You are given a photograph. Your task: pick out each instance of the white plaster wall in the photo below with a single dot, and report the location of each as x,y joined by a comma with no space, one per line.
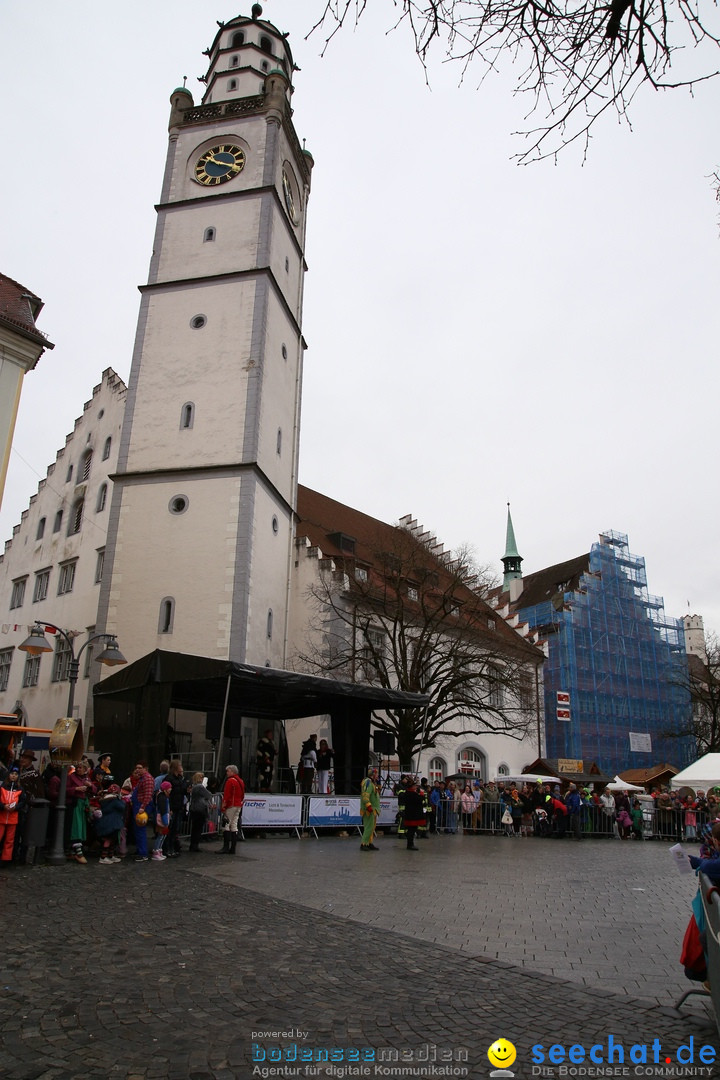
184,253
268,580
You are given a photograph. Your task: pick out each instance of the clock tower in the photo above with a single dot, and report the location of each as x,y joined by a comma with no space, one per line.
200,543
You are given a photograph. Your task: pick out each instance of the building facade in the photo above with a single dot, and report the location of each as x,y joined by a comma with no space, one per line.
21,346
615,680
52,568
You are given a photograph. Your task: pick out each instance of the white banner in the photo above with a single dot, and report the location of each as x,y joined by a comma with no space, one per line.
336,812
264,810
388,810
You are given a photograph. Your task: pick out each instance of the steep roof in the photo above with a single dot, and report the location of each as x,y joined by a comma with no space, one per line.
543,585
343,533
19,309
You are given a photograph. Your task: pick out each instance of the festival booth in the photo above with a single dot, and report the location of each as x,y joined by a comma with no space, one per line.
132,708
703,774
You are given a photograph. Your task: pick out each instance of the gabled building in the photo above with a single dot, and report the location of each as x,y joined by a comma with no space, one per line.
52,567
21,346
613,683
381,603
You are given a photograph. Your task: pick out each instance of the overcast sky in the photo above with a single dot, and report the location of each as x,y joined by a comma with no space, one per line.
477,332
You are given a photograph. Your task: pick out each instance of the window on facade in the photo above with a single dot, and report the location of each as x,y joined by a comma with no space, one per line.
437,769
40,529
187,415
76,517
167,615
5,662
237,39
526,693
361,573
371,653
61,660
265,66
57,524
68,475
495,692
412,593
99,565
66,579
101,499
232,84
234,60
503,769
42,581
470,761
198,321
269,622
279,441
18,593
106,448
208,235
31,672
89,653
86,465
266,45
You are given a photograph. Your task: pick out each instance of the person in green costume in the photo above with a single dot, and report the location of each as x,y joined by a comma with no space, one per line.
369,809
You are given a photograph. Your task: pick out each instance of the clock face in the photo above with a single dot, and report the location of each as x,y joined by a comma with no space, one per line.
291,198
219,164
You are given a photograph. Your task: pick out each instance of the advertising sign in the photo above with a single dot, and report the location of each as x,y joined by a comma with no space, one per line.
278,811
336,812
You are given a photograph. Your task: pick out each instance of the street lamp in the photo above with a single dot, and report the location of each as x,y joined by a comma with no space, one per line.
35,645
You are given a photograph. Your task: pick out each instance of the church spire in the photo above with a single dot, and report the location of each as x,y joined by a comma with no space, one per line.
511,560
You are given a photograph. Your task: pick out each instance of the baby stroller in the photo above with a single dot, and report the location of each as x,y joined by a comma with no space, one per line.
541,822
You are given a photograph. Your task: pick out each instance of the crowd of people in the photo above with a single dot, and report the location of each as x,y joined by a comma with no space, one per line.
102,817
544,809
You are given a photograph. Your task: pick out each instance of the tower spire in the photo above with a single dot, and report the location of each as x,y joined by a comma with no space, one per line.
511,560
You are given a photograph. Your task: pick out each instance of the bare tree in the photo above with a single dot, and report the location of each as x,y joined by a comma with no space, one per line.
578,58
702,682
411,621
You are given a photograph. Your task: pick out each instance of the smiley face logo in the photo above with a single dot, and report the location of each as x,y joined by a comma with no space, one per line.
502,1053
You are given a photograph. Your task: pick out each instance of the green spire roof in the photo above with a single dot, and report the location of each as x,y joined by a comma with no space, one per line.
511,551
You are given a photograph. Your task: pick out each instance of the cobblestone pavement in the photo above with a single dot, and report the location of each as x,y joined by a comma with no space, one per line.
180,970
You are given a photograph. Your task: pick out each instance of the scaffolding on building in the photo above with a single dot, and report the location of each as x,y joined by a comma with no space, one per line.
620,659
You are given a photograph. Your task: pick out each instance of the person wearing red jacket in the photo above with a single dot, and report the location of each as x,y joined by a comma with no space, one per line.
232,804
10,793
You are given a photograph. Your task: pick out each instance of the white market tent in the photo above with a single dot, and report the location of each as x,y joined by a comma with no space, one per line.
623,785
703,773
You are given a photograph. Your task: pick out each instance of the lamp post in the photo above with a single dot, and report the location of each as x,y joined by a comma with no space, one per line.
35,645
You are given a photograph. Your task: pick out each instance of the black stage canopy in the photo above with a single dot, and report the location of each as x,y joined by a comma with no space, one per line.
132,706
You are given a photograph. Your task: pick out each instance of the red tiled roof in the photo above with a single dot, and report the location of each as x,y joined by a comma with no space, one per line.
342,533
19,308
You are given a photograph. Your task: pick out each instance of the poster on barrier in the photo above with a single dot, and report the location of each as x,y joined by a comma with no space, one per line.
337,812
272,810
388,810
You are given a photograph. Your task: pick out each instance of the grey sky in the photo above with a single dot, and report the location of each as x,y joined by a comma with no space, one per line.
478,332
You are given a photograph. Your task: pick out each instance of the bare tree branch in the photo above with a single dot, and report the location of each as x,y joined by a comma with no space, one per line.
579,58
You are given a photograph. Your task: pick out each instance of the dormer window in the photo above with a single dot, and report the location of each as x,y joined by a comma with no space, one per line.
343,542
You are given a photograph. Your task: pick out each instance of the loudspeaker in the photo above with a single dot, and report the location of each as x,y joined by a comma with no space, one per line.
384,742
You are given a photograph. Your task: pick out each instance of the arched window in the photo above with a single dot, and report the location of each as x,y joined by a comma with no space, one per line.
85,465
436,769
209,235
234,61
187,415
232,84
237,39
40,529
471,762
76,517
101,499
106,448
167,615
266,45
